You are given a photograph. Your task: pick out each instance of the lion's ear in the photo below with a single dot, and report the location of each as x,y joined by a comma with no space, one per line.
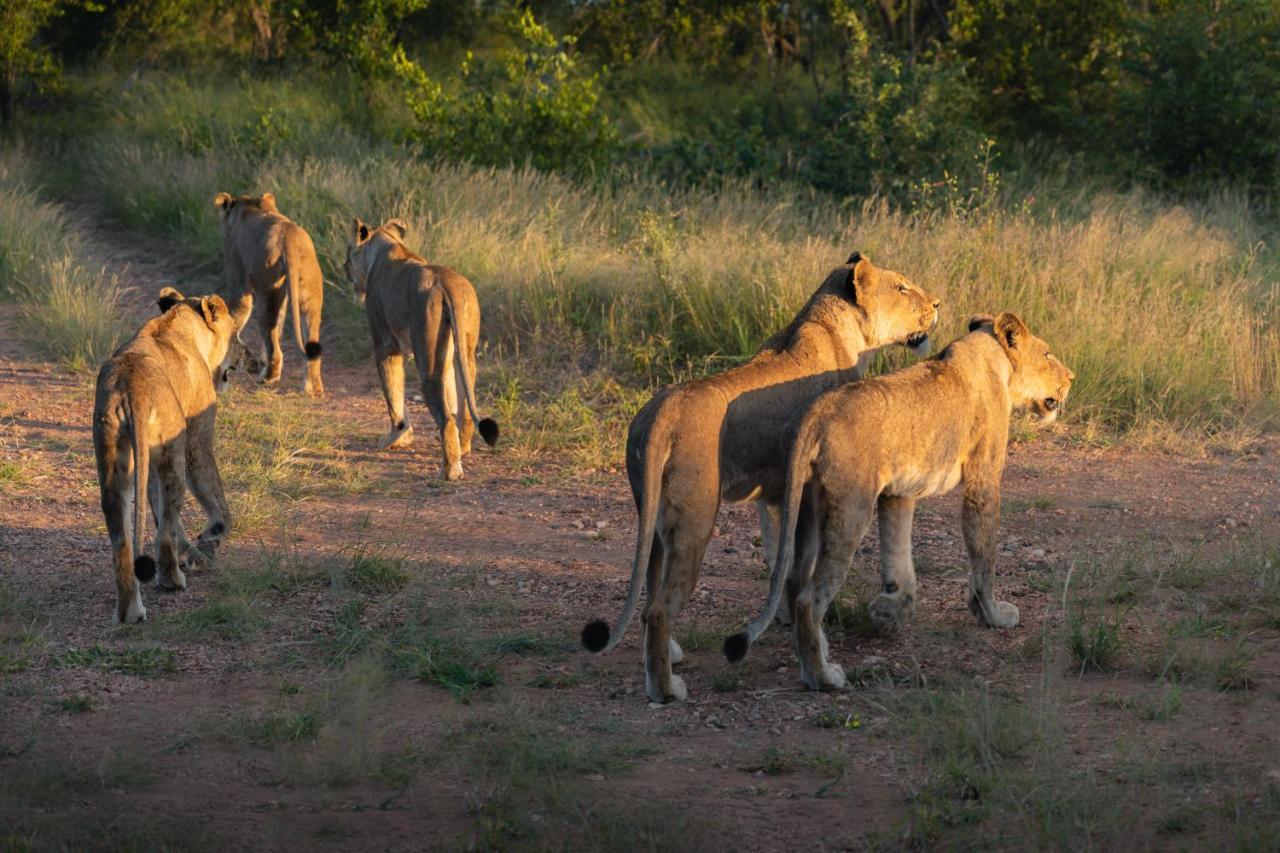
168,297
977,321
397,227
1010,330
213,309
268,201
223,201
859,276
359,232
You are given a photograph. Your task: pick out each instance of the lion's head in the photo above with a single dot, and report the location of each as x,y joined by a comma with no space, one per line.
898,310
1040,382
364,244
232,207
227,353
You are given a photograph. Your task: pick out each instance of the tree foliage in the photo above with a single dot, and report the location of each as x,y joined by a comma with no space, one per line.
848,96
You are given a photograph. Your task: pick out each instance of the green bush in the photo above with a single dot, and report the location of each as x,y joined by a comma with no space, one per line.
530,105
1203,94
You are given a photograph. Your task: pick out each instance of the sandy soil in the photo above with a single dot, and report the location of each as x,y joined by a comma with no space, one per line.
152,763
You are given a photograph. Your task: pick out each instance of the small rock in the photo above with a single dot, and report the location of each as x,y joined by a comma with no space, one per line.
601,525
595,777
577,524
1036,553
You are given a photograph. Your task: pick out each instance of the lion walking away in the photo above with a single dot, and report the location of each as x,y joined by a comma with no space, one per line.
153,422
270,258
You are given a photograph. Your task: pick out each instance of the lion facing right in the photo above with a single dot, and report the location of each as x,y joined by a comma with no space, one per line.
877,446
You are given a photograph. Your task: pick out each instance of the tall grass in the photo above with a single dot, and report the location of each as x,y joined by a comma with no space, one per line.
1168,314
67,310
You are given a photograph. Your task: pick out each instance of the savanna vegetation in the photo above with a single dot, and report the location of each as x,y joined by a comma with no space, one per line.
656,186
641,192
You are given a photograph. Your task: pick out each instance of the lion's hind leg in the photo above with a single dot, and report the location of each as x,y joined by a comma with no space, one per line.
117,509
671,582
441,393
391,375
841,528
206,484
270,324
166,494
894,604
466,428
980,521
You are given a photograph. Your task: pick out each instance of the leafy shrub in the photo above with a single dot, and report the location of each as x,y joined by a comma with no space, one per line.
1204,90
532,104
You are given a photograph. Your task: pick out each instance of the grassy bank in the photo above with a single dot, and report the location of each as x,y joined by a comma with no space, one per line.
66,308
1168,314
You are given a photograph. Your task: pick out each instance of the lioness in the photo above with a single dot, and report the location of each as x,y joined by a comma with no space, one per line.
270,257
431,312
153,419
721,438
879,445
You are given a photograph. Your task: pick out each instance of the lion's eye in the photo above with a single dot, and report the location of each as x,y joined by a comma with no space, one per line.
902,288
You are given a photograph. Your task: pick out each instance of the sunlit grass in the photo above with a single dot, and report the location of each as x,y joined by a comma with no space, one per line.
67,309
1166,313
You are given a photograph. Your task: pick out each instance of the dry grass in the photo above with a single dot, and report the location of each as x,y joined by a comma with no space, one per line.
1167,313
67,310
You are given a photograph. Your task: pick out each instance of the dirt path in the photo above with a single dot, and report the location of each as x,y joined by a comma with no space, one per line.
261,727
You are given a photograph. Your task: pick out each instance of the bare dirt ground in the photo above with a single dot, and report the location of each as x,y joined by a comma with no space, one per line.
433,696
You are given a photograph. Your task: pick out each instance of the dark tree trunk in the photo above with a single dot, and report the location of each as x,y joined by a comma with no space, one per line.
8,97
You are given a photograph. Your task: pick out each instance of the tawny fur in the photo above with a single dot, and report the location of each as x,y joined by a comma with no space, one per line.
876,447
432,313
153,431
721,437
271,259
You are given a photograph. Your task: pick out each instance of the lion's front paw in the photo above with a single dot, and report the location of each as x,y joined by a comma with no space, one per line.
829,677
678,692
997,614
397,438
1005,615
173,581
453,472
676,653
135,613
889,612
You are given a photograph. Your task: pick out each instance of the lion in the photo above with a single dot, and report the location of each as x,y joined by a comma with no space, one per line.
877,446
153,419
432,313
720,438
270,257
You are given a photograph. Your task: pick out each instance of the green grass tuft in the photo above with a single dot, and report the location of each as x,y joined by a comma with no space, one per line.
146,662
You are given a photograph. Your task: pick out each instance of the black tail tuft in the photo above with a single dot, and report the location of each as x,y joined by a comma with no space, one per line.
736,645
595,636
313,350
488,431
144,568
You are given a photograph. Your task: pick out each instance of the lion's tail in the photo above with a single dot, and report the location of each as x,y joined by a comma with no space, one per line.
597,636
799,465
311,349
488,427
144,565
